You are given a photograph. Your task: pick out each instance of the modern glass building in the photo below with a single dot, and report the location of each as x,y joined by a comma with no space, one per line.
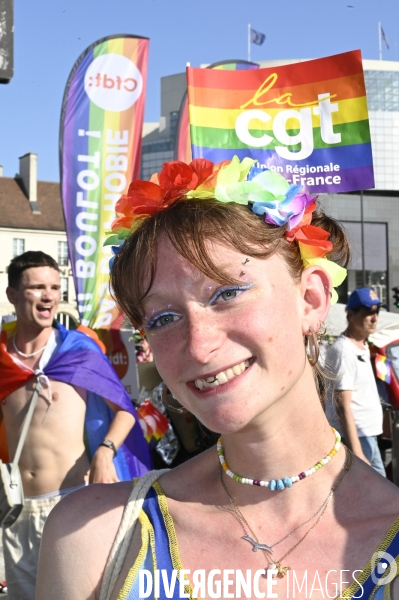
371,217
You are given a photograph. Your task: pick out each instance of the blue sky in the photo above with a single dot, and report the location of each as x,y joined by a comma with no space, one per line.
51,34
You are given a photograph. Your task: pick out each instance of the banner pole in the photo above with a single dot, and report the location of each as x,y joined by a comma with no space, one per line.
249,42
362,238
379,39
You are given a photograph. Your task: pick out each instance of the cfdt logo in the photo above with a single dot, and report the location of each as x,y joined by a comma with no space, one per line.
120,361
113,82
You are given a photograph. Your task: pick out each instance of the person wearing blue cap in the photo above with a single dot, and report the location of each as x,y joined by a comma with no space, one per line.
353,405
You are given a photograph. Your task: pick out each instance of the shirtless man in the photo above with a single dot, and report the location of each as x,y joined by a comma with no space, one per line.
53,460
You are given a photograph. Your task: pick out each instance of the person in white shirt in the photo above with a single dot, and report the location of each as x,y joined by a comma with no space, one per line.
353,404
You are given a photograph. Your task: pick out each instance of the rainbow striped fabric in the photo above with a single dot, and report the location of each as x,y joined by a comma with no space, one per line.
100,150
183,141
79,361
383,368
308,120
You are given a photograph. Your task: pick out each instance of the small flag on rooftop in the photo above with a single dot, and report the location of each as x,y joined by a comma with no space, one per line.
384,37
257,37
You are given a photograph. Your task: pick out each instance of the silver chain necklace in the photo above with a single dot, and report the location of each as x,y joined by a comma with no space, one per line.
277,566
256,545
22,353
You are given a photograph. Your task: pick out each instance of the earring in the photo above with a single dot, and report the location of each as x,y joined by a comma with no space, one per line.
322,331
164,397
313,354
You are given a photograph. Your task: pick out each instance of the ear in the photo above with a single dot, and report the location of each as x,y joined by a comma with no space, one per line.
11,295
349,315
316,295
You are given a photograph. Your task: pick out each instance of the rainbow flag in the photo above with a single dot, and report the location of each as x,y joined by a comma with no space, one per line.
183,141
383,368
153,423
308,120
80,361
100,149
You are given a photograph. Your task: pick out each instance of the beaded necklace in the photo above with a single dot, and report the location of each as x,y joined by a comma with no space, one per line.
276,567
23,353
286,482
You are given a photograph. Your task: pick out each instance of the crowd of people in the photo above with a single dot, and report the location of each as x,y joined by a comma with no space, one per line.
232,298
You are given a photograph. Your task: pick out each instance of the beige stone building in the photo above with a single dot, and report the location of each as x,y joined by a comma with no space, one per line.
31,218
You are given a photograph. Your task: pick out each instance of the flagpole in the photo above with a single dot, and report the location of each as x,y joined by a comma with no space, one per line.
379,39
249,42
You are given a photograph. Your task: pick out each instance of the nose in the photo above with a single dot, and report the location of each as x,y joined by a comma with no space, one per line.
48,293
204,337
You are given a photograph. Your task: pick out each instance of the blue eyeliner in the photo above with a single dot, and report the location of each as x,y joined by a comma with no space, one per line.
151,324
234,288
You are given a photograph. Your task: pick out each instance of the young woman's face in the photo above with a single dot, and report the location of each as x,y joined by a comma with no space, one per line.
226,352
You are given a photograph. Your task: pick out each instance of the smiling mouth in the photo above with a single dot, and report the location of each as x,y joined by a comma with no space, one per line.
224,376
44,310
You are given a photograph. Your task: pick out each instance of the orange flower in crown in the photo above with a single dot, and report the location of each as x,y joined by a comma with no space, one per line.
146,198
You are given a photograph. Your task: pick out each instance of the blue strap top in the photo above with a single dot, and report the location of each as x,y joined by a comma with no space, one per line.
159,552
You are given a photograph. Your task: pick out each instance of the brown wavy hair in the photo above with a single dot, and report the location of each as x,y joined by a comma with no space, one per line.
190,225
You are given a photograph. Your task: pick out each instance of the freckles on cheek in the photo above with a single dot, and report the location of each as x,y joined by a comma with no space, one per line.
161,349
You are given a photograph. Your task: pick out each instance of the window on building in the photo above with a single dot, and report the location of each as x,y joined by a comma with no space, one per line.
62,254
18,247
67,320
64,289
382,90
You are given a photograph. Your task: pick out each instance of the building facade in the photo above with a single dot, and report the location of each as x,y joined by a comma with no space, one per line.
31,218
371,218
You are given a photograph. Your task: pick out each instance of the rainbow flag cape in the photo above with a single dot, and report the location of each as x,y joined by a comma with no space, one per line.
383,368
307,121
79,361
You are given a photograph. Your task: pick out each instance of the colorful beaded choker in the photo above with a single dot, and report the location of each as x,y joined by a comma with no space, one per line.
286,482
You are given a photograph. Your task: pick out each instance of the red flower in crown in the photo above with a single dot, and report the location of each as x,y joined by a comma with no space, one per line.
146,198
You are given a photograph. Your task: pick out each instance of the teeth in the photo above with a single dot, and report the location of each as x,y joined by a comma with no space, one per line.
222,377
213,384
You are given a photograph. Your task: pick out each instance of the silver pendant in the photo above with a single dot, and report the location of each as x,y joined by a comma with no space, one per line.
256,545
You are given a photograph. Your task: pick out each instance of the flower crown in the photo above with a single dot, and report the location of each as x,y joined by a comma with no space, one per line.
266,192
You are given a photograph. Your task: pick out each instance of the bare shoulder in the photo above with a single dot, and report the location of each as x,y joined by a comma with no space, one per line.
368,502
77,539
190,478
89,506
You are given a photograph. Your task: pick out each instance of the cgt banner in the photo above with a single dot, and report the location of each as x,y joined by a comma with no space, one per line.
100,147
308,120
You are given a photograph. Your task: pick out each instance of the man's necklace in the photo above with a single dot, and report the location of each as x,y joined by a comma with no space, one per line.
266,549
22,353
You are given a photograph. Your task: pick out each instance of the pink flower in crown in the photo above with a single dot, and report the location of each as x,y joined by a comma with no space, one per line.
280,202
